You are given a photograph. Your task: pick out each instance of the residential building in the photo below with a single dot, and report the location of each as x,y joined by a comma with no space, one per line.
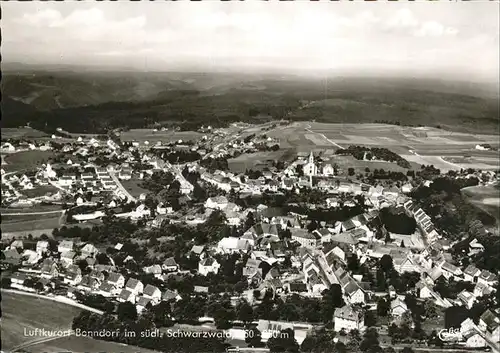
348,318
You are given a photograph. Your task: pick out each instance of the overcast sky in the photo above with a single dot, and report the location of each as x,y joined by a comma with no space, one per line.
445,38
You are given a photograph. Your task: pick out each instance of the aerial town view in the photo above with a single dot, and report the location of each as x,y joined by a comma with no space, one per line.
307,177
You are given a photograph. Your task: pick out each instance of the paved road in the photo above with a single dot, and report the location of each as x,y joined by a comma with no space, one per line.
120,186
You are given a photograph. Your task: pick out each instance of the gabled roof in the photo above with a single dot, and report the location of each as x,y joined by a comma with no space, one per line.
143,301
125,294
170,262
348,312
132,283
150,290
114,277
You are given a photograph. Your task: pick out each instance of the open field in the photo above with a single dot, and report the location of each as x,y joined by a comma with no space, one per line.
40,190
22,133
36,233
345,162
485,197
257,160
28,223
26,159
20,312
85,344
422,145
141,135
132,186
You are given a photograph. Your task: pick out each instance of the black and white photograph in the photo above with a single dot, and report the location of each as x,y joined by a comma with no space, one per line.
250,176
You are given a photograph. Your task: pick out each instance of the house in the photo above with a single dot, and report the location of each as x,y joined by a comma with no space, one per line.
126,296
155,270
200,289
116,279
487,278
398,308
107,290
30,257
467,298
65,246
197,250
306,239
135,286
328,170
296,287
170,295
208,265
153,293
450,271
217,203
12,257
233,245
263,230
67,258
489,322
405,264
471,273
354,294
169,265
89,250
424,290
348,318
73,275
473,339
142,302
467,325
49,269
475,247
88,284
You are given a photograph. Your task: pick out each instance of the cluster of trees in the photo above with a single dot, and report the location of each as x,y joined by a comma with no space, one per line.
451,211
397,222
366,153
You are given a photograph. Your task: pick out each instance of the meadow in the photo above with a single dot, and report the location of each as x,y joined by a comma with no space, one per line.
485,197
29,223
26,159
132,186
20,312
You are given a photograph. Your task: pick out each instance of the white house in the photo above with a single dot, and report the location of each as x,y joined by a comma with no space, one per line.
152,293
116,279
233,245
169,265
135,286
398,308
42,246
208,265
348,318
217,203
65,246
328,170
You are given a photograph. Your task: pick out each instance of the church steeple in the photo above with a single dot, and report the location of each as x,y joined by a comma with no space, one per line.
311,157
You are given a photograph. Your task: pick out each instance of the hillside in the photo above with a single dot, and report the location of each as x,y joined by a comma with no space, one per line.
98,101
